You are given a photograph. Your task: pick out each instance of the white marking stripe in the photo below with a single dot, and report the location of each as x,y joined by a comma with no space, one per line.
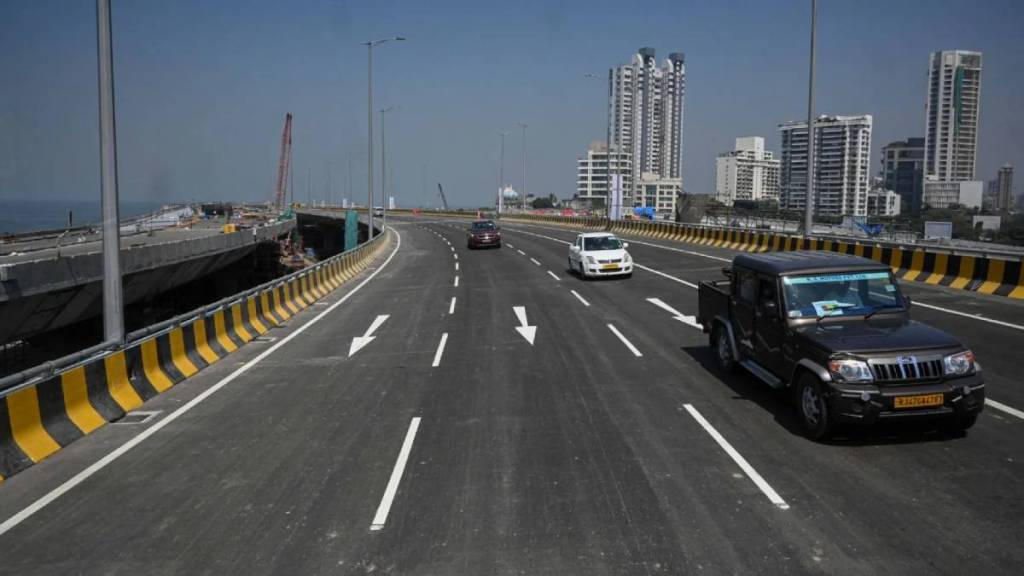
102,463
453,248
456,281
440,350
738,459
966,315
555,276
456,266
580,298
451,307
534,260
662,274
456,256
521,252
509,245
1004,408
624,341
396,476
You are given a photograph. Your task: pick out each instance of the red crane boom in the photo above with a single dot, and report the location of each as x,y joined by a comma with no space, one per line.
283,164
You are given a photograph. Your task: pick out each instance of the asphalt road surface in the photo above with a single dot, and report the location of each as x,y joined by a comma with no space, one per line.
486,412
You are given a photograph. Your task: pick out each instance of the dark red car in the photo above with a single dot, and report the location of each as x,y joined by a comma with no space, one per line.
483,234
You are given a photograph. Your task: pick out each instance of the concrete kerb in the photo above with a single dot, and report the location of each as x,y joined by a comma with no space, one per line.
49,411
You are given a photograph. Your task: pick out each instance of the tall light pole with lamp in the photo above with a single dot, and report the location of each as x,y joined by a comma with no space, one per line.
369,120
523,126
608,160
501,173
384,164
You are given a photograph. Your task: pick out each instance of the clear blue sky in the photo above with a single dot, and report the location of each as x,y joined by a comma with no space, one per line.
203,87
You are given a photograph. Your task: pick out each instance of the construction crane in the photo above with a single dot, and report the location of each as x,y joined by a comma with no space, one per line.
283,164
443,199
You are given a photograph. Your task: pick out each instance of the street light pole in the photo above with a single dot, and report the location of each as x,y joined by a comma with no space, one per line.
523,126
369,120
501,175
383,165
809,196
608,162
113,296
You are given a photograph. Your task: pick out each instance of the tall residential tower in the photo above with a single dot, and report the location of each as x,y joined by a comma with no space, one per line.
951,115
842,151
645,116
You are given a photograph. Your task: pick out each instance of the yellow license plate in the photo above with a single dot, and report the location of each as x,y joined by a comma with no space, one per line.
610,267
918,401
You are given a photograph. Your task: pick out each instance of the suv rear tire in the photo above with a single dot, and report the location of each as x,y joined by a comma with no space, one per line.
812,409
723,349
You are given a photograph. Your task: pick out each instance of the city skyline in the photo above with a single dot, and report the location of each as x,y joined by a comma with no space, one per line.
201,93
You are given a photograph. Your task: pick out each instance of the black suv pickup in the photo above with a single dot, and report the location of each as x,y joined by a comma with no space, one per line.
836,331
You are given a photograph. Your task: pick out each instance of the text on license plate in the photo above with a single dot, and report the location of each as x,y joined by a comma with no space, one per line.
918,401
610,266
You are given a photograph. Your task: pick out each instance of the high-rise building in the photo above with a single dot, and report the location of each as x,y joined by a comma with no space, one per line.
951,115
592,174
645,117
945,194
903,172
747,172
842,156
1004,198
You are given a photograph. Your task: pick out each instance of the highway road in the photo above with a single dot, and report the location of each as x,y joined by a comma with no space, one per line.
486,412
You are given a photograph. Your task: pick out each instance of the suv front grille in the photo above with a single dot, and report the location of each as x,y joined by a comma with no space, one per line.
907,371
614,261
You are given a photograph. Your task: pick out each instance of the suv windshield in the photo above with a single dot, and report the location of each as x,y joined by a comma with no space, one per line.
840,294
601,243
483,226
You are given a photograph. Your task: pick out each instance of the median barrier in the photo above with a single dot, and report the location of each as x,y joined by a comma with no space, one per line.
47,411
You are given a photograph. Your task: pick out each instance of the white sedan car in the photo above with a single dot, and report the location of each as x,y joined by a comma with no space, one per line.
600,254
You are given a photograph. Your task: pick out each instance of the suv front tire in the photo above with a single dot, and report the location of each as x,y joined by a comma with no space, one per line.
812,408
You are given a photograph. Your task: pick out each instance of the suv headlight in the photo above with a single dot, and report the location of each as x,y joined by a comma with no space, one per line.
849,370
958,364
590,260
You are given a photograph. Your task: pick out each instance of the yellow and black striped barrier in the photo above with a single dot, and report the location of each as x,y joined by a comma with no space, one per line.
38,418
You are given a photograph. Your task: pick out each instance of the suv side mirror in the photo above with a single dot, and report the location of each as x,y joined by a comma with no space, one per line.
625,244
574,248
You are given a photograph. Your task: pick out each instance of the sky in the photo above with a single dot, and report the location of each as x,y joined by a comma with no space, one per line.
202,88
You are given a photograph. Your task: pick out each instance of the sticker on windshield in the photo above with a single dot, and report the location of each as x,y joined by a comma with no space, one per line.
890,288
829,278
830,307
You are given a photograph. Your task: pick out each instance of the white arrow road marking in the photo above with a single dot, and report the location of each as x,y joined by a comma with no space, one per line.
360,341
528,332
688,320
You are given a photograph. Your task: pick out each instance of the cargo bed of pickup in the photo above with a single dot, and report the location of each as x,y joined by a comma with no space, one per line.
713,300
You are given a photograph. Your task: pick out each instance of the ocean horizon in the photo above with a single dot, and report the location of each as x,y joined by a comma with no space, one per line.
20,216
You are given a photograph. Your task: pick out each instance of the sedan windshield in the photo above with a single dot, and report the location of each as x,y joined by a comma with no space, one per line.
483,226
601,243
840,294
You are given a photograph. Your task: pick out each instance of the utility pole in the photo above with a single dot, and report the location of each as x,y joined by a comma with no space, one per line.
383,164
369,120
809,196
351,192
523,126
608,160
113,296
501,174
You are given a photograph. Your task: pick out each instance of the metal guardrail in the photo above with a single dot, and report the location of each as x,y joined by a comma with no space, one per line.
53,367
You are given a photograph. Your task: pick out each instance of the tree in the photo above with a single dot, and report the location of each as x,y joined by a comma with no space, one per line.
541,203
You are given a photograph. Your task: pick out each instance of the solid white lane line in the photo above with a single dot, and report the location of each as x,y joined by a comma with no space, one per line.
680,250
1004,408
396,477
440,350
966,315
624,341
663,275
534,260
451,307
456,281
738,459
102,463
580,298
521,252
555,276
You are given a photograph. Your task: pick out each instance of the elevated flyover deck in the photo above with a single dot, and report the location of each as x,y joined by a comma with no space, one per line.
44,286
456,411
